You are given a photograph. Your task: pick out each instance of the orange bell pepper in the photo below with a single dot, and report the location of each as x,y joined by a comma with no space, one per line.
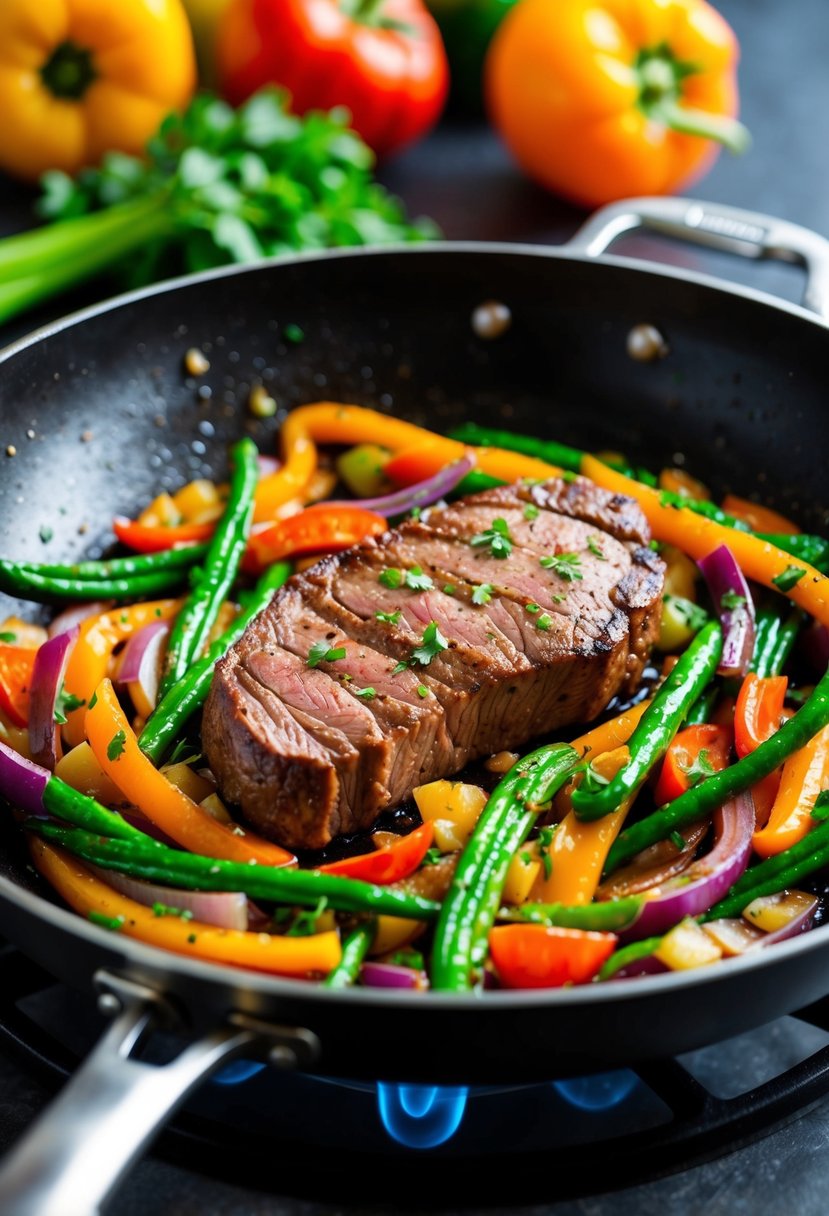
706,746
79,79
91,655
805,775
116,749
305,957
758,517
299,464
16,666
695,535
533,956
759,712
389,864
317,529
602,99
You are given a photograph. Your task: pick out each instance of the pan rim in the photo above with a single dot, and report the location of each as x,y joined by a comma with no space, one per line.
154,958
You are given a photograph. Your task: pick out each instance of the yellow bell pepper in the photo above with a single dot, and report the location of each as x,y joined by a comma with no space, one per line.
81,77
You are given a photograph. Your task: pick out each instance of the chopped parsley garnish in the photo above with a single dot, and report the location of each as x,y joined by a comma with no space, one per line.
699,768
116,745
565,565
368,694
417,580
93,700
526,857
545,839
160,909
415,513
497,537
113,923
305,922
532,608
8,638
422,690
730,600
431,857
593,546
544,621
820,810
46,533
531,511
677,840
65,703
559,599
790,576
390,618
391,578
407,957
321,652
431,644
448,588
482,594
192,939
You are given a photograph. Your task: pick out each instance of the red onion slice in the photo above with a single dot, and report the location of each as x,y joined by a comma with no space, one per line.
707,880
805,906
22,782
728,586
47,680
391,975
423,494
649,965
225,909
76,615
141,663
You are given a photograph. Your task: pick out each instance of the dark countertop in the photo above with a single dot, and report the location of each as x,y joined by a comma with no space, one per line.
463,178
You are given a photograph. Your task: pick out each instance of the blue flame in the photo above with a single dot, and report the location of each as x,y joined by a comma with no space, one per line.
237,1071
421,1116
598,1092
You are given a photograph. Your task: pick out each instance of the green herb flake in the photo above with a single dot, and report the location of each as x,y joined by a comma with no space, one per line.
820,811
449,588
565,565
531,511
321,652
46,533
192,939
389,618
8,638
116,745
532,608
407,957
593,546
305,923
368,694
431,644
544,621
730,600
677,840
415,512
699,768
789,578
391,578
431,857
526,857
482,594
398,667
160,909
496,537
422,690
416,580
113,923
545,839
66,703
93,700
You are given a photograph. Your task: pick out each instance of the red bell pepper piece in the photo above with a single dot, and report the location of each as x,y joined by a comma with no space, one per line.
317,529
389,864
695,753
534,956
16,666
758,518
153,538
759,712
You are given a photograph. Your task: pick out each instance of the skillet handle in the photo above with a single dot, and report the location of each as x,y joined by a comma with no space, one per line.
747,233
68,1163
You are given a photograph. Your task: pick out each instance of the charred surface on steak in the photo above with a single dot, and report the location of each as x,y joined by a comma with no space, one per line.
529,642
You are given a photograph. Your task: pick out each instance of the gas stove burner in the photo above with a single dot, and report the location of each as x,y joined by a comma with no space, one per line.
255,1125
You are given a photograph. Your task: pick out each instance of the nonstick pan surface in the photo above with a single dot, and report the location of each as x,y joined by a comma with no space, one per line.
103,416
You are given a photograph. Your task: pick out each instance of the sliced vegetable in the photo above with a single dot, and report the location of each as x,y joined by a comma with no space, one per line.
422,494
16,672
324,528
805,774
390,975
758,517
22,781
537,956
389,864
686,946
782,915
695,753
140,667
735,607
45,709
354,949
224,909
158,538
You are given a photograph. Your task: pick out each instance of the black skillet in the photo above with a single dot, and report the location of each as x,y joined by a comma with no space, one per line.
103,416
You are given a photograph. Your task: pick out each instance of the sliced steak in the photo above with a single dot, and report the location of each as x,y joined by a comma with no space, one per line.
404,658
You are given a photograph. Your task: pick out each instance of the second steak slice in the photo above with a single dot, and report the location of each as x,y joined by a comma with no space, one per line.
481,626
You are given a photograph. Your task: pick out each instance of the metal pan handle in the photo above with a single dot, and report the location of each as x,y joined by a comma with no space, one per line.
747,233
70,1161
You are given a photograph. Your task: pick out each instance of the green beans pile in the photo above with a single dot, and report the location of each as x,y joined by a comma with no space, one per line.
117,578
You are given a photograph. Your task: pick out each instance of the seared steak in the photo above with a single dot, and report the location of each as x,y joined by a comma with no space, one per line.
476,628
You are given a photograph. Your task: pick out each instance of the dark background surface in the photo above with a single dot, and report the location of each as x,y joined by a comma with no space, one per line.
464,179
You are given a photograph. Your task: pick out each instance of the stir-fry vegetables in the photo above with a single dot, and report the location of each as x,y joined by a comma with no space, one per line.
671,834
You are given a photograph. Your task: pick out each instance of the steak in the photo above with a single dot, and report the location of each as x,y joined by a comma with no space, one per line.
482,625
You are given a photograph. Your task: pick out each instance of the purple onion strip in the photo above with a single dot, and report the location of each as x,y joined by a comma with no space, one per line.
735,607
22,782
47,680
421,495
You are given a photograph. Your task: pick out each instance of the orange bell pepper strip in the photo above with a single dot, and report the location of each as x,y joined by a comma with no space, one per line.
317,529
705,747
16,666
389,864
303,957
116,749
83,78
153,538
758,713
91,655
697,536
299,464
579,849
805,775
758,517
534,956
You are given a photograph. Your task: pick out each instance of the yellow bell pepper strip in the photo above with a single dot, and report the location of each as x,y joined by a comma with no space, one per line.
697,536
804,775
304,957
90,658
116,749
79,78
330,422
578,850
299,456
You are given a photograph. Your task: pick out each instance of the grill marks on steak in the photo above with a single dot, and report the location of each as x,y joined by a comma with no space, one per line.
307,758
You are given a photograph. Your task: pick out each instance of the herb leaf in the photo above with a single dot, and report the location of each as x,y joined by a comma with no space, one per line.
116,745
565,565
699,768
389,618
482,594
417,580
368,694
497,537
790,576
391,578
431,644
321,652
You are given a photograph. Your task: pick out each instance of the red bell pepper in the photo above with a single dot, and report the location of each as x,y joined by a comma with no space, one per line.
382,59
759,712
389,864
695,753
758,517
534,956
317,529
16,666
152,538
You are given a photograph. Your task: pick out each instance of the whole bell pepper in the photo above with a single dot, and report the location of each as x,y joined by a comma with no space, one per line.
81,77
382,59
468,27
599,100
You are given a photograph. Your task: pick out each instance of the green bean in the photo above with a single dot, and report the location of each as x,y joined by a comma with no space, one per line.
703,707
713,791
606,916
656,727
117,567
187,695
355,948
152,860
475,891
802,545
196,618
628,954
30,584
474,483
68,804
785,640
544,449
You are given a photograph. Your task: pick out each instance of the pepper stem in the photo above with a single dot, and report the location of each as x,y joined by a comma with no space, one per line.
69,71
660,76
689,121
